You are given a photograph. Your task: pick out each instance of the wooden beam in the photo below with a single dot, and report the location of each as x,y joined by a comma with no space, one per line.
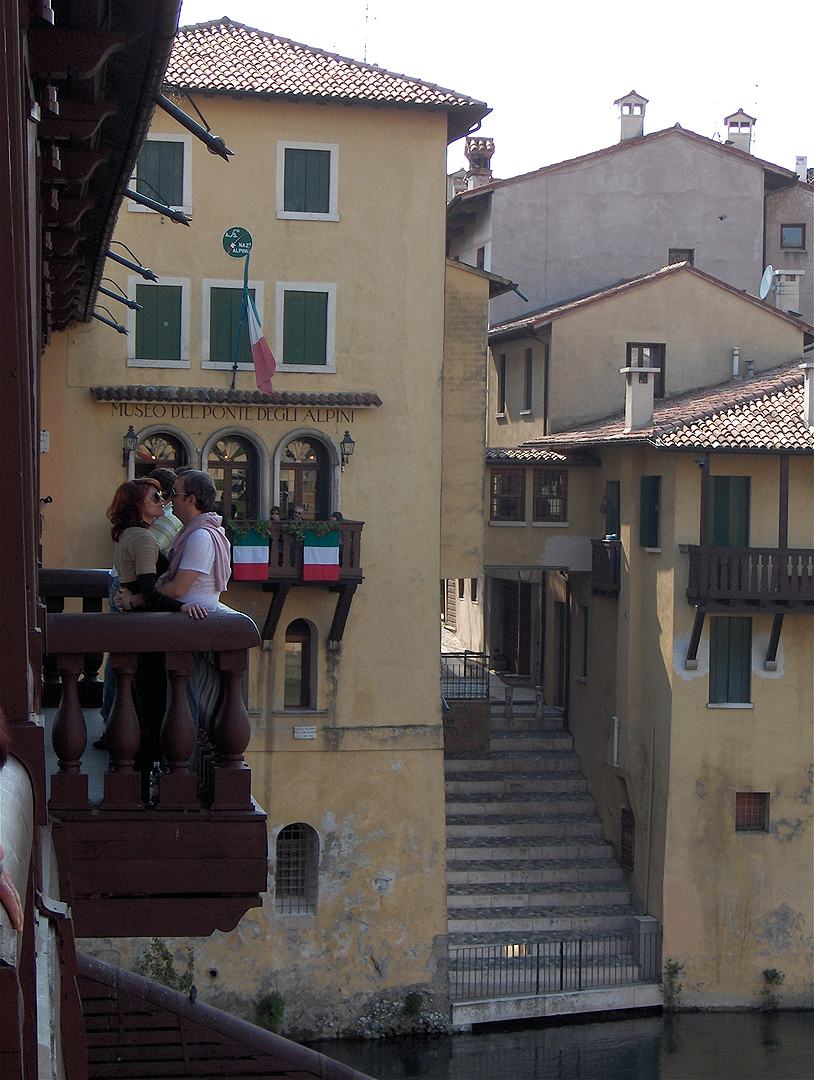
343,601
691,663
783,523
770,663
279,592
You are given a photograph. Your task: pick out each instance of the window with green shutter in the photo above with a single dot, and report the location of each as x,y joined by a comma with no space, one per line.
730,659
307,188
158,324
649,512
612,508
305,328
730,511
160,172
225,306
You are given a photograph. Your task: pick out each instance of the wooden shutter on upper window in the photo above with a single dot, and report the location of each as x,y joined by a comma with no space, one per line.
224,319
307,181
160,172
649,511
158,325
305,328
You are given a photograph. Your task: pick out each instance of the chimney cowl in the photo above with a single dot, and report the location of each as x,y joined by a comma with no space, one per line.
631,114
739,127
478,150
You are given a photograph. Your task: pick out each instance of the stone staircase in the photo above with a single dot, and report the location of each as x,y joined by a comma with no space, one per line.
526,861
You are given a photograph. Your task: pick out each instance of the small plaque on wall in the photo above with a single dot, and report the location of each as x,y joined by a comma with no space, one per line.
305,732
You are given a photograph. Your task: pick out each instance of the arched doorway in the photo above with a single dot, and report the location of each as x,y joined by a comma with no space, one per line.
159,451
232,467
305,479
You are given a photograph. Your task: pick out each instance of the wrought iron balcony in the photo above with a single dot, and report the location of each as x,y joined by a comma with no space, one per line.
770,577
195,860
606,563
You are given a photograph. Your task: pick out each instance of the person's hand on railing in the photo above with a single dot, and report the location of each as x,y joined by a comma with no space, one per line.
195,611
127,601
9,897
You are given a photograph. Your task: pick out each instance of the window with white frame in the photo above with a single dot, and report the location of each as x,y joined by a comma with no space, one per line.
158,334
164,172
305,327
222,304
307,181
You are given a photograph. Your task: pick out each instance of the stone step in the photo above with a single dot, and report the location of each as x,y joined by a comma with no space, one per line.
506,849
551,724
497,762
497,828
519,872
557,802
577,920
494,898
524,741
475,783
593,940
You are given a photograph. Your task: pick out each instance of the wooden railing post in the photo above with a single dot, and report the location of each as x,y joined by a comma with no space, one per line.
231,731
122,736
69,787
178,788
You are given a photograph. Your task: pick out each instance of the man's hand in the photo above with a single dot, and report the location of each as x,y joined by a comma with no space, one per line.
195,611
127,601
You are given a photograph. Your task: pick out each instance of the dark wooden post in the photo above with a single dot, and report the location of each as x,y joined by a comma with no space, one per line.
783,523
69,787
231,731
122,734
178,789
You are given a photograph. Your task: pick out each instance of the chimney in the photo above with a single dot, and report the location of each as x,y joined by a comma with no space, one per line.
739,130
801,168
631,113
808,395
640,386
479,150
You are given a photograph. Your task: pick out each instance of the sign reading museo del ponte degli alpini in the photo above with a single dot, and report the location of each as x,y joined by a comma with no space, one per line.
297,414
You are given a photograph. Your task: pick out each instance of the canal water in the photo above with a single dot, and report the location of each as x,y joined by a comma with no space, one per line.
687,1046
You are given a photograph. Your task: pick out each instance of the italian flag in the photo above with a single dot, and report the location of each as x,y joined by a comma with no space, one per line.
264,363
250,557
320,556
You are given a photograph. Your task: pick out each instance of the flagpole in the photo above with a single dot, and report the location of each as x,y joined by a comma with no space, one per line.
244,317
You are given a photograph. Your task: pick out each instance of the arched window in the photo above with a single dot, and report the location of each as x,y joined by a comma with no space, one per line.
159,451
298,665
232,467
305,479
295,871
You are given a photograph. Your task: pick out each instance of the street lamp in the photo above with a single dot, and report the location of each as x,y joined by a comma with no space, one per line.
346,447
130,445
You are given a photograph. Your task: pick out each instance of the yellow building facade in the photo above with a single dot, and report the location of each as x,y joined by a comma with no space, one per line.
349,285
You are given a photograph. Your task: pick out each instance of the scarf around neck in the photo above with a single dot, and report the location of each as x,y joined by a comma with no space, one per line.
221,569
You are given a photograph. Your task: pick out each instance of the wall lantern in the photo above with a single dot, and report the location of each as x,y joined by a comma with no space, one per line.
346,447
130,446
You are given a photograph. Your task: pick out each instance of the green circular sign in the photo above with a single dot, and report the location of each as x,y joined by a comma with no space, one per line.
237,242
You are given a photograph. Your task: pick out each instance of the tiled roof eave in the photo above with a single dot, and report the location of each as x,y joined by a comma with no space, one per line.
218,396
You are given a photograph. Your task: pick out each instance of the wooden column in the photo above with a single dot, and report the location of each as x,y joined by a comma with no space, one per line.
69,787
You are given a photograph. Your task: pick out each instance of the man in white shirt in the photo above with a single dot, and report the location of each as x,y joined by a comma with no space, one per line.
200,556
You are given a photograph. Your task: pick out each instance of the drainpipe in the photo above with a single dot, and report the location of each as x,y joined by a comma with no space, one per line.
615,741
650,819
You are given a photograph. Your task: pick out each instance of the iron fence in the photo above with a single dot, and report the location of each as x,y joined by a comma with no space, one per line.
465,676
481,972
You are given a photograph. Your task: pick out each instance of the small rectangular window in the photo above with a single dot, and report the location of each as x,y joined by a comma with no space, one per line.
223,305
649,512
461,588
613,513
528,373
306,317
752,811
550,495
307,182
508,495
501,384
730,659
650,355
158,324
163,172
793,237
473,589
679,255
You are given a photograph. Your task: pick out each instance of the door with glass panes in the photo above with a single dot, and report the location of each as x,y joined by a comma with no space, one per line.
231,466
304,479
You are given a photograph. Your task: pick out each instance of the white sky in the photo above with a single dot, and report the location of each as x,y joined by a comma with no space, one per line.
551,72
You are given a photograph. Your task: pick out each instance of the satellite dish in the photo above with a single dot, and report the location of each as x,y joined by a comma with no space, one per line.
766,281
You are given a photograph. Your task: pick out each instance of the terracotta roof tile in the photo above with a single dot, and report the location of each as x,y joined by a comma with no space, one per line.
522,454
229,57
762,414
218,396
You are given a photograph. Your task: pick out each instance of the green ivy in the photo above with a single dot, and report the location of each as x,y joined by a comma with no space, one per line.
157,964
240,529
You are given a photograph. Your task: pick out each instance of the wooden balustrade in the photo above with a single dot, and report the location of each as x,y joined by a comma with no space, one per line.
751,575
285,552
606,567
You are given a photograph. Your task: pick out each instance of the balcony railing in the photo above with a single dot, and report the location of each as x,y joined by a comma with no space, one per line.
767,575
464,676
194,858
286,552
606,563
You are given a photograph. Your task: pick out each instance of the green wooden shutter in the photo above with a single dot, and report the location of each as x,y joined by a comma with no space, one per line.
160,172
649,511
224,318
158,325
305,328
730,659
730,511
307,181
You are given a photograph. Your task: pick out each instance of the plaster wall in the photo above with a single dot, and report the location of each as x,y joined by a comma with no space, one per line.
371,781
583,225
792,206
